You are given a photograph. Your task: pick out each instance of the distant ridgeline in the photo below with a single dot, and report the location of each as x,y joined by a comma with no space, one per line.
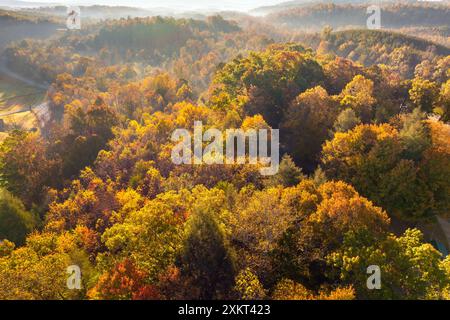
15,26
339,16
158,36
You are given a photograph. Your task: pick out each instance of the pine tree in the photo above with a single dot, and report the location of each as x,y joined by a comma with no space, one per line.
206,259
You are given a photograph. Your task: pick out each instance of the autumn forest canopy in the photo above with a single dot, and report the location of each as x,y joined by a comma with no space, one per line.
364,175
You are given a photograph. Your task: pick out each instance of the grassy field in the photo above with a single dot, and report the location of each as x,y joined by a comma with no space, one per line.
15,101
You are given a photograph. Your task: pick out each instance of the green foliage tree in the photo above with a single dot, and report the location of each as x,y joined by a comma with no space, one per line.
346,120
288,173
358,95
15,221
414,134
38,270
266,82
149,236
410,268
248,286
424,94
290,290
206,258
389,168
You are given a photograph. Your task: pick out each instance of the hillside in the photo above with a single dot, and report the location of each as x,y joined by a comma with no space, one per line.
192,49
317,16
295,4
370,47
98,11
15,26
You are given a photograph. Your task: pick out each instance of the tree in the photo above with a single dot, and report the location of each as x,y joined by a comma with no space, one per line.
89,131
345,121
410,268
124,282
26,169
328,214
338,73
248,286
259,221
15,222
38,270
388,168
414,134
358,96
306,126
424,94
290,290
6,248
89,203
288,173
185,92
206,259
435,166
266,82
150,236
444,101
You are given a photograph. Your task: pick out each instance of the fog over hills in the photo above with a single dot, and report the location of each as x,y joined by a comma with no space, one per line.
256,6
176,5
24,4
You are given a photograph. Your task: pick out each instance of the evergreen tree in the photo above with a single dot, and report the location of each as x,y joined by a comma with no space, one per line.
206,259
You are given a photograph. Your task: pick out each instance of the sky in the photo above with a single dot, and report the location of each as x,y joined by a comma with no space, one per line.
241,5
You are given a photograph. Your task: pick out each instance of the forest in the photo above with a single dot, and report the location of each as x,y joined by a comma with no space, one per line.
364,176
337,15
